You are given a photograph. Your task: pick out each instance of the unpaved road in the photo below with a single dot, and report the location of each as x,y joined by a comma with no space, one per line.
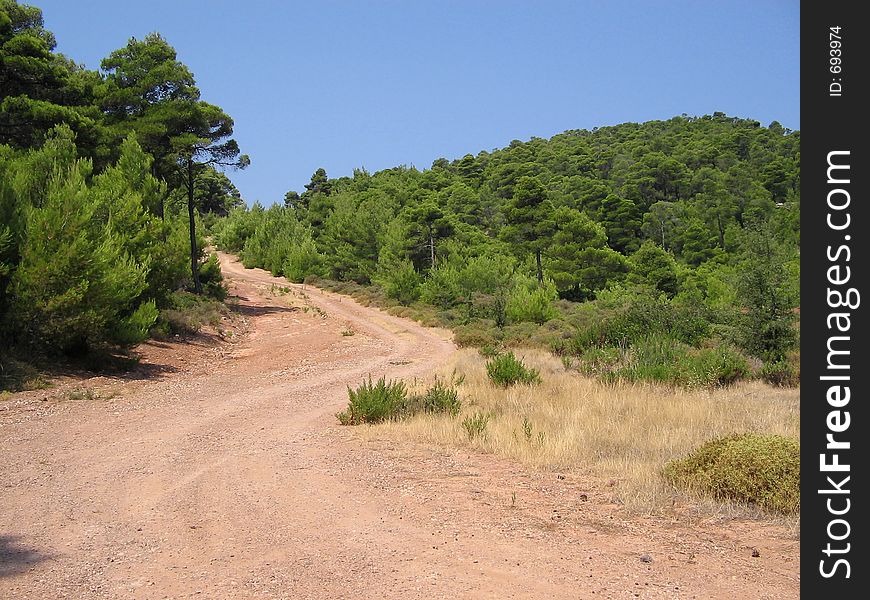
218,471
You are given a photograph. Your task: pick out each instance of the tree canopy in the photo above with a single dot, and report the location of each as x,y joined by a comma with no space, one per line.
89,248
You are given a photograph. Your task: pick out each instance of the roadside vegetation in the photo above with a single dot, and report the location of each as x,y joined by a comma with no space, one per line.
107,182
650,447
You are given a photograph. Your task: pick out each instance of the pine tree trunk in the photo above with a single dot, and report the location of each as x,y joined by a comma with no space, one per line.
194,263
431,249
540,269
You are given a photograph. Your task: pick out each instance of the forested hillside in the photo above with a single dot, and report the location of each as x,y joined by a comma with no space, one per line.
632,250
677,238
103,176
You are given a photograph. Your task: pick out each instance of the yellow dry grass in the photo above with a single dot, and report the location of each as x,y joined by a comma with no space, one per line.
624,432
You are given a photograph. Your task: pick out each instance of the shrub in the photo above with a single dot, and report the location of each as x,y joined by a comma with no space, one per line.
402,283
374,403
760,469
488,350
519,334
599,360
473,336
719,366
666,360
76,281
506,370
302,260
654,358
441,288
211,278
441,398
188,313
780,373
134,329
768,292
475,425
532,303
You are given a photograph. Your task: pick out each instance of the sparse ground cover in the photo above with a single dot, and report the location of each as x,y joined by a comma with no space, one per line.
622,432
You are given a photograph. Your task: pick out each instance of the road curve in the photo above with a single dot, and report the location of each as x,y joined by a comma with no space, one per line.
221,473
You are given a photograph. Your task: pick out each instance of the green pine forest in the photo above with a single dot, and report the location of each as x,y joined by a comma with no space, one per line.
665,250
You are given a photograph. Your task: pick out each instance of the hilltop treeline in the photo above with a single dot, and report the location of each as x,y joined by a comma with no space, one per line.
677,235
103,176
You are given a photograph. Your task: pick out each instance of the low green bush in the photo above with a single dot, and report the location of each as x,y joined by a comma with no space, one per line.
712,367
666,360
188,313
383,401
488,350
519,334
212,279
374,403
629,319
475,425
597,360
780,373
506,370
653,358
474,336
442,398
531,302
760,469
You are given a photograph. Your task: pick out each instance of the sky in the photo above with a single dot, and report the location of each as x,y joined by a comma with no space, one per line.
378,83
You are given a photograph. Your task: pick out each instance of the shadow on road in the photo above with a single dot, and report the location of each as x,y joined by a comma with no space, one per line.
16,558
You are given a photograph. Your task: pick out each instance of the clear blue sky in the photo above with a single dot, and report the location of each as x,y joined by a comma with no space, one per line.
377,83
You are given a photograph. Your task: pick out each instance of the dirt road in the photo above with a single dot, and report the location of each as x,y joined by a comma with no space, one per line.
219,471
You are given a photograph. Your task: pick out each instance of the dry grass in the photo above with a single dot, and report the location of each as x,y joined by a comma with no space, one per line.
624,432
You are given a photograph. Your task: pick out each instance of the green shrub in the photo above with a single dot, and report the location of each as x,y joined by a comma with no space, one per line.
441,288
488,350
519,334
761,469
532,303
134,329
187,314
374,403
475,425
627,317
211,278
780,373
442,398
402,283
666,360
712,367
653,358
506,370
599,360
474,336
302,260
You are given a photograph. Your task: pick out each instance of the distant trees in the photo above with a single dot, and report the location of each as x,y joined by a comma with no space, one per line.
530,220
39,88
660,206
